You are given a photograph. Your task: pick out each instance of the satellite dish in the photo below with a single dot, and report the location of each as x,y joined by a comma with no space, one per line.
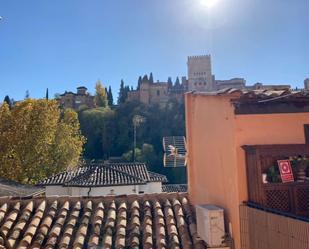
175,152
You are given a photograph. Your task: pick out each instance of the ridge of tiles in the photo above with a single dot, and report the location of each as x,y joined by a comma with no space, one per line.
134,221
104,176
109,174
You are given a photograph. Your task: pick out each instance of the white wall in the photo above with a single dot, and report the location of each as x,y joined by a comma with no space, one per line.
100,191
150,187
57,190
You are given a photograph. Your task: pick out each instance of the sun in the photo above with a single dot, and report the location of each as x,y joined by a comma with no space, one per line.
209,3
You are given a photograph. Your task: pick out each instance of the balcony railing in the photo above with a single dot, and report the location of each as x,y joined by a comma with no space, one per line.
286,197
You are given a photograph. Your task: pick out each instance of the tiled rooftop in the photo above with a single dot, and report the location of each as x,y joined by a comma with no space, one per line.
144,221
12,188
100,174
262,94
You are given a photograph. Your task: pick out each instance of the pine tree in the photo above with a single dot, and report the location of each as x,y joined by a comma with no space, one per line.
145,78
46,96
139,82
121,95
100,95
110,96
27,95
151,78
177,82
8,101
169,82
126,90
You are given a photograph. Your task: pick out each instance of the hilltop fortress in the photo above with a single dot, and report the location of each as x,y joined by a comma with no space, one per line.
199,78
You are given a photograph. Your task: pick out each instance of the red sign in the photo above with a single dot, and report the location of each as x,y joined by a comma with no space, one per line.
285,170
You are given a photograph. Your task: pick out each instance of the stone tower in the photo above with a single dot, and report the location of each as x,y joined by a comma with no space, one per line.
306,84
200,77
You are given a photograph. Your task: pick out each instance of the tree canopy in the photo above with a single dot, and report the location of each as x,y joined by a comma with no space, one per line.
110,96
123,93
109,132
37,140
100,97
151,78
8,100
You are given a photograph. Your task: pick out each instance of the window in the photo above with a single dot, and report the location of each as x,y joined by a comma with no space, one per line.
141,192
158,92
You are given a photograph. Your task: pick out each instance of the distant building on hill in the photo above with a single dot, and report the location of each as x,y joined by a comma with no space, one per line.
159,92
261,86
76,100
200,78
238,83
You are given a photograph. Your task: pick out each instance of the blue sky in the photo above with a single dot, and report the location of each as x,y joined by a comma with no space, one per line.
63,44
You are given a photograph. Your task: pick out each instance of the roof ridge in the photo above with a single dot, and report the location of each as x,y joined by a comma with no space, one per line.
88,171
58,174
92,169
130,175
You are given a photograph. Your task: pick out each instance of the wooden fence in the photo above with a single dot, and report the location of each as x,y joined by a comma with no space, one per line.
266,230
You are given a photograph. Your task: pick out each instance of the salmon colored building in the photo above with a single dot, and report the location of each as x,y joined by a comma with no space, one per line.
219,124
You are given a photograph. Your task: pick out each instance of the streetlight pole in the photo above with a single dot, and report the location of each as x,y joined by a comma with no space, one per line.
134,142
137,120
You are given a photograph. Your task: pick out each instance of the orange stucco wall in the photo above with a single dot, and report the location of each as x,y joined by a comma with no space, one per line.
216,164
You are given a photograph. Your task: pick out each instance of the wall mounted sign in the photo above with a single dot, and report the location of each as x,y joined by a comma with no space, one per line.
285,171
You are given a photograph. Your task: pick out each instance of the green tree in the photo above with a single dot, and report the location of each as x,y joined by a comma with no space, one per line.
110,132
46,95
37,140
123,93
8,101
145,155
121,98
110,96
127,157
139,82
169,82
151,78
98,125
27,94
177,82
145,78
100,95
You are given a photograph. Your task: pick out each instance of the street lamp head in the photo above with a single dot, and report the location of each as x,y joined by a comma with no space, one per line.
138,119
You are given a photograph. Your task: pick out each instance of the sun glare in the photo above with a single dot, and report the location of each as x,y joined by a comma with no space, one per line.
209,3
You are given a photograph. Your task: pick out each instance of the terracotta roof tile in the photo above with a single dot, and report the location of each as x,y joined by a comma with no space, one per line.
147,221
